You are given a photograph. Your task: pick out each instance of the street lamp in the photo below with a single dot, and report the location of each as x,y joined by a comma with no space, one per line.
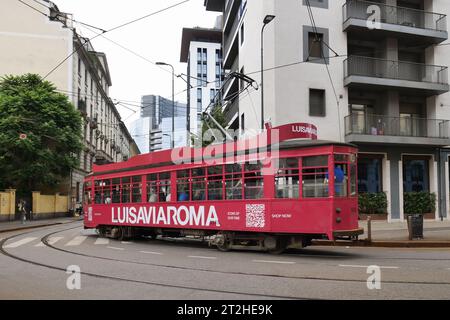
267,19
173,99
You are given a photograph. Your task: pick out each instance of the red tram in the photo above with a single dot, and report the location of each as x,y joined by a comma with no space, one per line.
263,193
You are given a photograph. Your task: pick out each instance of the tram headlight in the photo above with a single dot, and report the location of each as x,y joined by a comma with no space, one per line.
338,220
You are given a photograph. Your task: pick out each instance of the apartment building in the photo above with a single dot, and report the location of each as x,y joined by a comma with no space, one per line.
374,74
41,44
201,49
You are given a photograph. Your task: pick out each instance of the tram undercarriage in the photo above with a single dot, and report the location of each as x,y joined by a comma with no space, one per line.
224,241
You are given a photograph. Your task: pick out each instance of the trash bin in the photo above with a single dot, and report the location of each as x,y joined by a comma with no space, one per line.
415,226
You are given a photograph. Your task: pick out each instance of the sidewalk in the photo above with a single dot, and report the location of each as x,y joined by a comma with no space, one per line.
436,234
17,225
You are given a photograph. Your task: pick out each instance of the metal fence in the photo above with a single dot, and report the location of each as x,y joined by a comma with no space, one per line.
358,9
380,125
391,69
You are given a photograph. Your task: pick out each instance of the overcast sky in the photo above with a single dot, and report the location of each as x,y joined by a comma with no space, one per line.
157,38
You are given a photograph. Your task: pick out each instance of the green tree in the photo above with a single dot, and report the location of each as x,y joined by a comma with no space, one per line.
31,106
206,124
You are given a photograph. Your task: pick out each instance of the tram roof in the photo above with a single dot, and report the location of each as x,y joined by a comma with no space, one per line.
164,157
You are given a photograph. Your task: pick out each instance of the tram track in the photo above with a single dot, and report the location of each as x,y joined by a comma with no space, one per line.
45,241
46,237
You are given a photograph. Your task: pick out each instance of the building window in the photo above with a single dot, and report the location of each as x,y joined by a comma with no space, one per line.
199,100
317,3
416,174
370,173
317,103
212,94
314,48
243,122
315,45
242,34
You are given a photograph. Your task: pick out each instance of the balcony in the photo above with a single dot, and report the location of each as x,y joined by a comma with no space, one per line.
231,43
231,111
418,25
231,85
362,128
428,80
101,157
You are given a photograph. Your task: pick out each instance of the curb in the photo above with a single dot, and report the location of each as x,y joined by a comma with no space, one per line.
37,226
384,244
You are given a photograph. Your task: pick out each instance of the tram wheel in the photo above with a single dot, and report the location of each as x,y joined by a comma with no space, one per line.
102,232
120,234
275,245
223,243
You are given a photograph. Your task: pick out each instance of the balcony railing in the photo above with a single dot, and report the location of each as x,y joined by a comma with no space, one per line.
357,9
397,70
231,36
380,125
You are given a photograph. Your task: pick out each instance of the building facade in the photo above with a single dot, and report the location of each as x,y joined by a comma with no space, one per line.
41,44
153,130
370,73
201,49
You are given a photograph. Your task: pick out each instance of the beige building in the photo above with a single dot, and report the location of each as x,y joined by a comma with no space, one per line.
36,41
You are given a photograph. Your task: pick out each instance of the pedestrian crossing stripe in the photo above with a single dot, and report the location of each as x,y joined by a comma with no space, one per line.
20,242
76,241
51,241
101,241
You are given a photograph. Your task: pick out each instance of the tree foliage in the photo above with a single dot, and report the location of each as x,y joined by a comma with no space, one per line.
207,124
31,106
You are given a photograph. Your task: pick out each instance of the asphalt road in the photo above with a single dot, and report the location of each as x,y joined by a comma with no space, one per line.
188,270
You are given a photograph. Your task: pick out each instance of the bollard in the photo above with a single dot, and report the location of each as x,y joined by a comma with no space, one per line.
369,229
410,234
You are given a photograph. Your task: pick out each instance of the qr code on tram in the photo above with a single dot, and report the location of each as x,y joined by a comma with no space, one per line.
255,215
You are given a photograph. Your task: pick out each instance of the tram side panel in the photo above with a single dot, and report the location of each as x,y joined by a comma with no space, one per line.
291,217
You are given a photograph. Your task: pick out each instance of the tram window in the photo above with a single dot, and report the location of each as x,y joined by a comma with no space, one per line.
315,177
115,190
341,158
233,181
98,192
233,189
158,187
183,185
164,187
215,171
215,190
136,195
253,167
254,188
198,189
198,172
353,180
340,180
126,189
87,192
287,179
106,185
317,161
235,168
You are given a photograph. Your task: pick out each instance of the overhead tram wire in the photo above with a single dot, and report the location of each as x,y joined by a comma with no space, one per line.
113,29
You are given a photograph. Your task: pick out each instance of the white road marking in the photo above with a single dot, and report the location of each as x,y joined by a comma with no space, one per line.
151,252
76,241
201,257
101,241
51,241
20,242
115,248
126,242
358,266
278,262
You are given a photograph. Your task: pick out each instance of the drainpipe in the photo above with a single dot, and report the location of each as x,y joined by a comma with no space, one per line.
442,183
